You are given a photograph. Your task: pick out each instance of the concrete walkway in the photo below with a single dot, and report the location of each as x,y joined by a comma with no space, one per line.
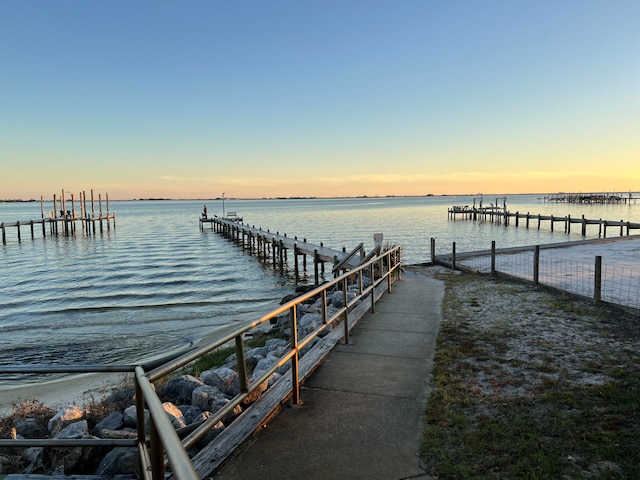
363,410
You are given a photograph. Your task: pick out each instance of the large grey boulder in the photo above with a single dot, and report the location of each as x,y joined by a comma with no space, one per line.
119,461
74,430
175,415
275,343
309,322
35,457
264,365
64,416
193,414
223,378
113,421
203,397
131,419
178,390
29,428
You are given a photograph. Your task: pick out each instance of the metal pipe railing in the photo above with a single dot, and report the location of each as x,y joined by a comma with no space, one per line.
164,445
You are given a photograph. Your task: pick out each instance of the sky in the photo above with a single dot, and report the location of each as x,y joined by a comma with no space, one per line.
190,99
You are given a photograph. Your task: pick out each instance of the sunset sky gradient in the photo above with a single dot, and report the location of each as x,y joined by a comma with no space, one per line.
287,98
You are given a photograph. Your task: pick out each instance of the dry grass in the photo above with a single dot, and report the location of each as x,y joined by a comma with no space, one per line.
531,384
95,410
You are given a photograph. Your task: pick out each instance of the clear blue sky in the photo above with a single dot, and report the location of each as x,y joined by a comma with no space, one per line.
288,98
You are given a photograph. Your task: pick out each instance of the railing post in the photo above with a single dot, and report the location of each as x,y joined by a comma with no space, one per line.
242,366
140,427
493,257
295,385
536,264
597,280
325,312
157,453
373,288
346,311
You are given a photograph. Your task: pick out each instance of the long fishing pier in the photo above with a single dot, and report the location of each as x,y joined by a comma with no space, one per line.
500,216
267,244
61,220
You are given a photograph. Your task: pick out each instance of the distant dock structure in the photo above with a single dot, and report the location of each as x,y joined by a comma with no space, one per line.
268,245
589,198
498,215
64,217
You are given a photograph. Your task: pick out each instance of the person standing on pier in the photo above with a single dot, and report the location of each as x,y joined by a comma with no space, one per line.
204,211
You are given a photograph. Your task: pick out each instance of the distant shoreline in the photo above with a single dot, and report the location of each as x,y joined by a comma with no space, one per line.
426,195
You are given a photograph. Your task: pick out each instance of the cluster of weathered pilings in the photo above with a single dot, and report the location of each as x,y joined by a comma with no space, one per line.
62,220
499,216
590,198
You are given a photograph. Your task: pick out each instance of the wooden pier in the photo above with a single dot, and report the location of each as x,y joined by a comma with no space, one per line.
501,216
62,220
275,246
589,198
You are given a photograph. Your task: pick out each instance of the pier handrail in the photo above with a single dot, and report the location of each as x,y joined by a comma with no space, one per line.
341,264
165,447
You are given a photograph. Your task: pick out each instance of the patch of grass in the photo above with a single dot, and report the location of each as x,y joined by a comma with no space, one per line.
218,357
559,429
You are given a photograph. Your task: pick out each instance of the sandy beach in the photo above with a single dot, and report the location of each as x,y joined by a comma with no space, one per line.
72,390
77,389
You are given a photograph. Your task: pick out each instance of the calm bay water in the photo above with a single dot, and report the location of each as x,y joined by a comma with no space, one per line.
156,282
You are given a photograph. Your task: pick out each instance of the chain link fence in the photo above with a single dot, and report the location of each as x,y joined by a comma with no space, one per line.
616,284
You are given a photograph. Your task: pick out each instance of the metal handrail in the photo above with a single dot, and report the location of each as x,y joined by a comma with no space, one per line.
162,446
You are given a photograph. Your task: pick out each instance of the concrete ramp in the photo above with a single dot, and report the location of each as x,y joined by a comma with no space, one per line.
363,410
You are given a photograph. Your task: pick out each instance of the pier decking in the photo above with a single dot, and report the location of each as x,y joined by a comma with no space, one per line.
62,220
501,216
267,244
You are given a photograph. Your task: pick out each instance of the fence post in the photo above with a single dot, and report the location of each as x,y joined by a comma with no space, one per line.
453,257
597,280
493,257
536,264
433,250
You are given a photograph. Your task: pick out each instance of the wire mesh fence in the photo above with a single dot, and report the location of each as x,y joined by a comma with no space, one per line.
616,284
